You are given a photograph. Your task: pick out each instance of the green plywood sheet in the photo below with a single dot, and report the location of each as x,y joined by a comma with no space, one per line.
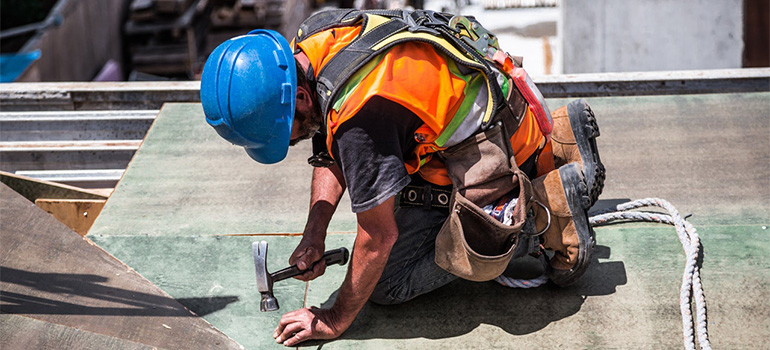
215,278
186,180
628,299
707,154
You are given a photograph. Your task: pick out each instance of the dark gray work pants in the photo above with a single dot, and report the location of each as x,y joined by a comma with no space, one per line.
411,269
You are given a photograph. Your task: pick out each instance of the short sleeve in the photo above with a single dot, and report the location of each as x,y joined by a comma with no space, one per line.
370,148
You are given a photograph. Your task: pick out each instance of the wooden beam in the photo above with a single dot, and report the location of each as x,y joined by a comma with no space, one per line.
77,214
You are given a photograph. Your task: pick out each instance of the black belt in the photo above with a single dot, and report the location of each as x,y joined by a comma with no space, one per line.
415,196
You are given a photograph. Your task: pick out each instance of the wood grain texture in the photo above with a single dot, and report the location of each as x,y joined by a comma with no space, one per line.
77,214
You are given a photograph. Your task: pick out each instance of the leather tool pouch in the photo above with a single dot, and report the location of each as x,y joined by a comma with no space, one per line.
471,244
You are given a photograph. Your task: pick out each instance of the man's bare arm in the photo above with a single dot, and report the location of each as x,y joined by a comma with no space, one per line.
377,232
325,192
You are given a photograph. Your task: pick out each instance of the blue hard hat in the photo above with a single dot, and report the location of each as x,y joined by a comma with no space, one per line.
248,93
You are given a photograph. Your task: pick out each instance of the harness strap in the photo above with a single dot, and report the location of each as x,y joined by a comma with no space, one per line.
349,60
323,21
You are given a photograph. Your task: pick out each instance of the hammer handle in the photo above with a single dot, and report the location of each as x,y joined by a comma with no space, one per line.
331,257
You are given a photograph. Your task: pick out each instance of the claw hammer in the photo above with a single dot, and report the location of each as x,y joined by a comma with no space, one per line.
265,279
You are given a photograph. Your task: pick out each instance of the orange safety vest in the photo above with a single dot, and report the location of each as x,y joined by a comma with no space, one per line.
423,80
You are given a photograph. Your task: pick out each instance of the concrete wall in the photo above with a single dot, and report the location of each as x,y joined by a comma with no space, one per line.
89,36
649,35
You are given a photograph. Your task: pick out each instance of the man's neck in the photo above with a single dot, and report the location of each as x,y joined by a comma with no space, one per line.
304,62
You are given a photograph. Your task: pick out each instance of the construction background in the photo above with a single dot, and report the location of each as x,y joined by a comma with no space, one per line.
126,222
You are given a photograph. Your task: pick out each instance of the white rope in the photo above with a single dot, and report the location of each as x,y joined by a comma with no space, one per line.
691,282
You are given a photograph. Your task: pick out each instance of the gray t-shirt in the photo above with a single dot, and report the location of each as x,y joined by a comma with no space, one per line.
370,149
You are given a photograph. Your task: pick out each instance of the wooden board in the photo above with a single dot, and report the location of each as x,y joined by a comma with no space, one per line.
51,274
32,189
20,332
77,214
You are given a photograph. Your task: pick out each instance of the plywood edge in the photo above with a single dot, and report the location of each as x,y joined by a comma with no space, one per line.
32,189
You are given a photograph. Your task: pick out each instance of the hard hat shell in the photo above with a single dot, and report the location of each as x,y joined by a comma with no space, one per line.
248,92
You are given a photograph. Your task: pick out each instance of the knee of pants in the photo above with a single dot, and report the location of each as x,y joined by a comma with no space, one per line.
383,300
382,295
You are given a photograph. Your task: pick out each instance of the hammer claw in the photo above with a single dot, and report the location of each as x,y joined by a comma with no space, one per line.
260,265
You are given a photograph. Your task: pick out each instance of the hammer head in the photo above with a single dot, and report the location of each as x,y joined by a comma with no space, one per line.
264,280
268,303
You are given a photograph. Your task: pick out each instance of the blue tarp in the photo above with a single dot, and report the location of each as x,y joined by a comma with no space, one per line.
12,65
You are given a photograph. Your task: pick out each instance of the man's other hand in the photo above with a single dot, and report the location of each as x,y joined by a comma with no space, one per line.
309,252
306,324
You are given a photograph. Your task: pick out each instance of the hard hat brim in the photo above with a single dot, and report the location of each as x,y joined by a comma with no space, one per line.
275,149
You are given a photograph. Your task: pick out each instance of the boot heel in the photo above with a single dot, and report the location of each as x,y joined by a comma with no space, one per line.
586,130
576,192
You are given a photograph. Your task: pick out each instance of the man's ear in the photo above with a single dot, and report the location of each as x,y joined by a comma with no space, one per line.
304,100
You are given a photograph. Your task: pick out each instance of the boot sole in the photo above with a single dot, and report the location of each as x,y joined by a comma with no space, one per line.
586,130
576,193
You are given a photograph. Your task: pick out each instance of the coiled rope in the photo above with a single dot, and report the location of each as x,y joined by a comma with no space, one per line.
691,282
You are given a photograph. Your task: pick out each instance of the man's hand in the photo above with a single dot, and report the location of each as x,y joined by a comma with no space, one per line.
309,251
326,191
377,232
308,323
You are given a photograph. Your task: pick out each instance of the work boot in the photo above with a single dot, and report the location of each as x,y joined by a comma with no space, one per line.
560,210
573,139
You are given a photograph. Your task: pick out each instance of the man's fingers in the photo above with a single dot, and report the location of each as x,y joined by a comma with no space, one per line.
289,332
286,319
305,276
320,268
298,338
297,255
310,256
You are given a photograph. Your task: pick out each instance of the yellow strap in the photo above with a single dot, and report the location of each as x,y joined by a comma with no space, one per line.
449,48
426,37
373,21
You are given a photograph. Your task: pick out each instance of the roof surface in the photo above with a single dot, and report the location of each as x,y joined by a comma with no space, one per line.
190,204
